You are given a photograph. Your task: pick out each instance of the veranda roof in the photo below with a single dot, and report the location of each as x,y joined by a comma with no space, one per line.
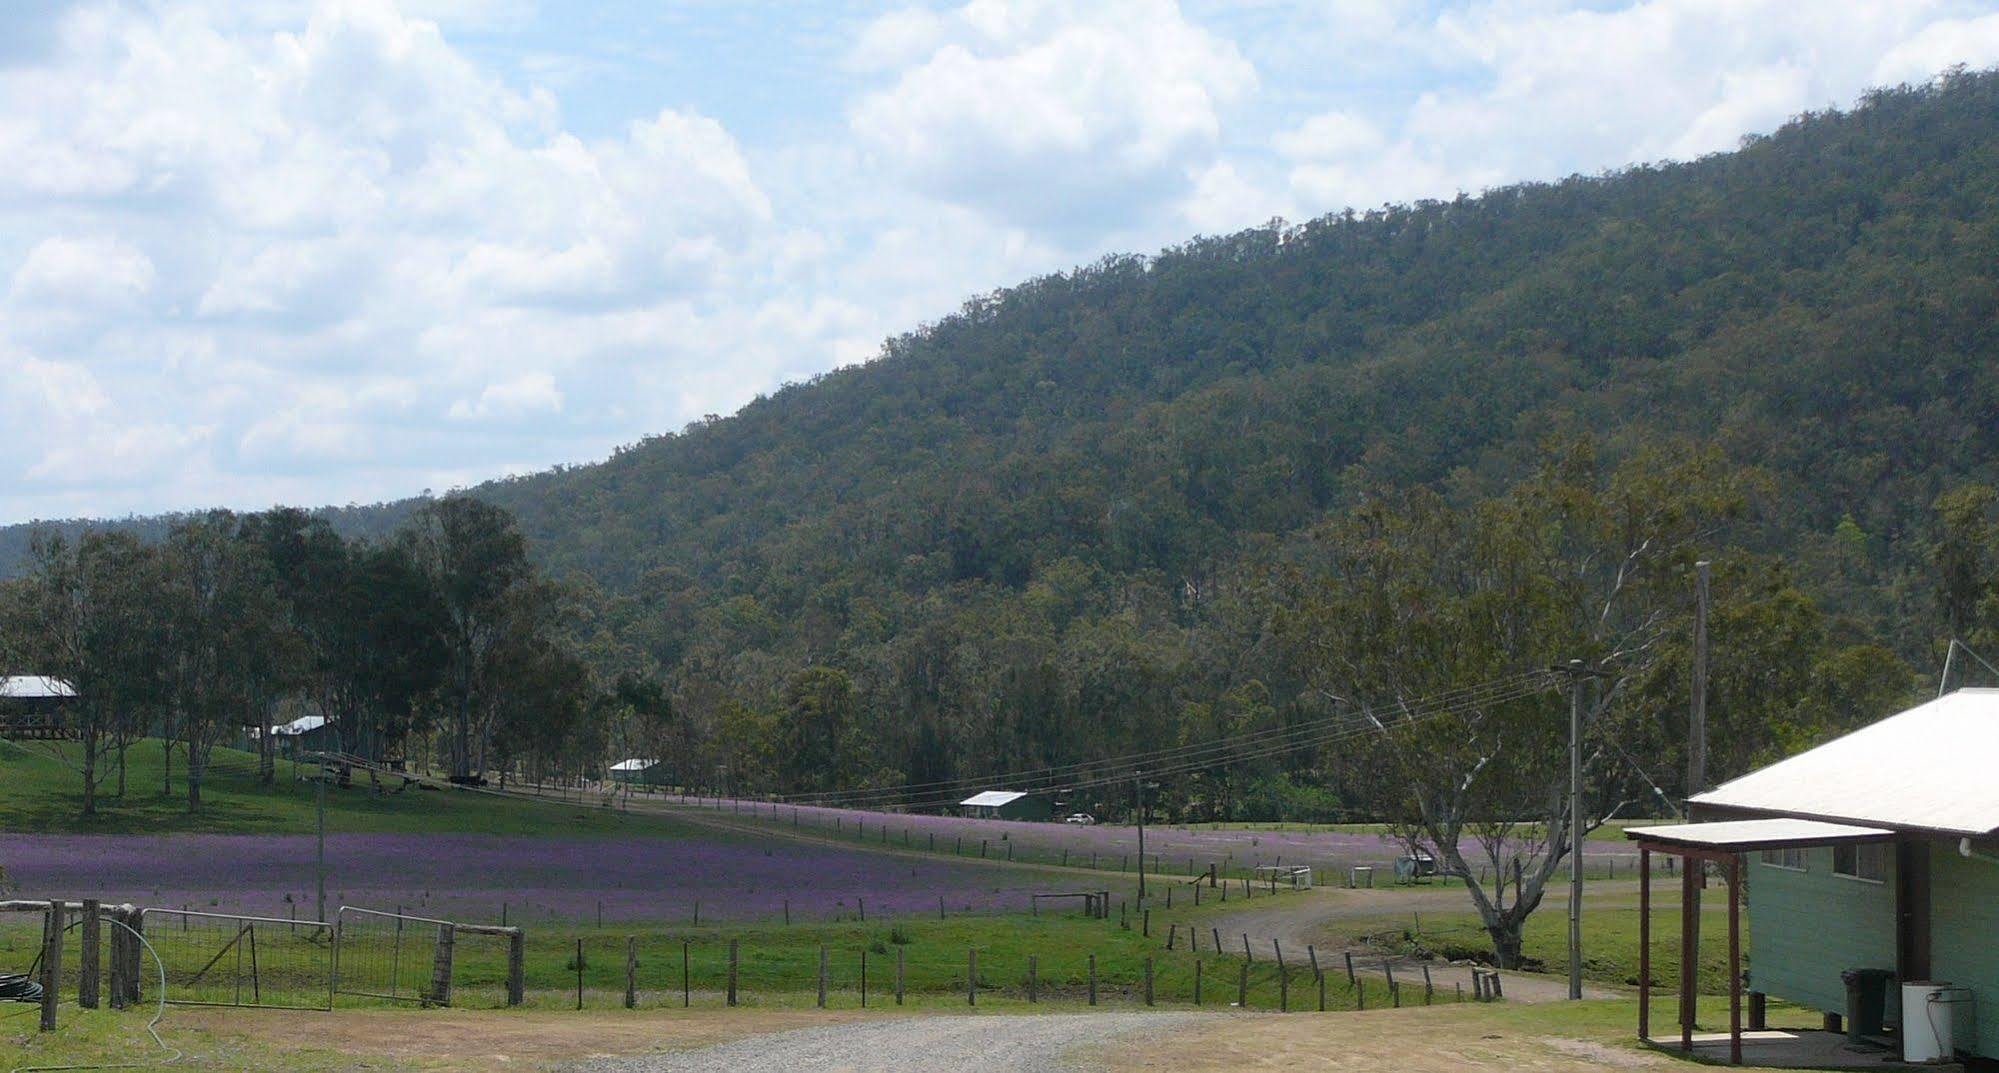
992,798
1743,835
35,687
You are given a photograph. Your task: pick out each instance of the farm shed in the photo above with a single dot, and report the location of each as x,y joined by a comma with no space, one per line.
31,705
1007,805
636,772
1875,851
306,734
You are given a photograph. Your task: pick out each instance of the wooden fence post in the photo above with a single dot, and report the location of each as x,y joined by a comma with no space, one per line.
1242,987
1093,979
440,964
1216,933
1351,978
1172,931
971,976
1321,977
631,972
1197,977
516,967
864,972
1429,989
1148,981
115,981
1033,979
51,963
90,954
686,995
1283,979
134,951
822,977
898,975
734,960
579,974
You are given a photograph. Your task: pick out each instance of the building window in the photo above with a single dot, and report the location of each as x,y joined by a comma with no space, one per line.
1868,861
1792,858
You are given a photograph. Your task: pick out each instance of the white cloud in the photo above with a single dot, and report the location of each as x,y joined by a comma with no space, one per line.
1052,115
87,273
533,393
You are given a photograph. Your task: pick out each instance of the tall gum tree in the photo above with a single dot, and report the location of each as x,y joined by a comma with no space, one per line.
1418,596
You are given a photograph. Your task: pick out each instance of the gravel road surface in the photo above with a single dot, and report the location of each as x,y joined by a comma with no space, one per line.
1047,1043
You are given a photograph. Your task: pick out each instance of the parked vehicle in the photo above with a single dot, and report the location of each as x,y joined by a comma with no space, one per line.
1079,817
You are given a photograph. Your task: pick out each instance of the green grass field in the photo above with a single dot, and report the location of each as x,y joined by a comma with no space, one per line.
41,793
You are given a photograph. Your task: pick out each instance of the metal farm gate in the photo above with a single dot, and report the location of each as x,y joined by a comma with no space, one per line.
398,957
225,959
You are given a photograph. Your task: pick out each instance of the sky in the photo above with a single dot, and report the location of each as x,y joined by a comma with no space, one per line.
336,252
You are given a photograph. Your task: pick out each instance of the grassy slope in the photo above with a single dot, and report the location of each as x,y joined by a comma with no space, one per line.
39,793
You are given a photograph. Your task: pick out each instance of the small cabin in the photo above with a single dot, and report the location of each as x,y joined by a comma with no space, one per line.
637,771
1873,857
1007,805
32,706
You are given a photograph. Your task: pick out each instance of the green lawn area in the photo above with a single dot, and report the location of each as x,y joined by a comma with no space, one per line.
43,794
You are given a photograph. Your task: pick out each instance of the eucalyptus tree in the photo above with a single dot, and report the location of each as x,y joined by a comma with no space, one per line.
1418,597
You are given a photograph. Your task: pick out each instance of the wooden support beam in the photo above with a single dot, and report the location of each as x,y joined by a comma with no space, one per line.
1735,960
1690,878
1644,945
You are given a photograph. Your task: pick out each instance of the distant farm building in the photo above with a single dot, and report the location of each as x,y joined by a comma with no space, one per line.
302,736
1870,866
636,772
31,706
1007,805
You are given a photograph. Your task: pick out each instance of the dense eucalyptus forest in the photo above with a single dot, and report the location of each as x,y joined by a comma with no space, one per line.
1298,474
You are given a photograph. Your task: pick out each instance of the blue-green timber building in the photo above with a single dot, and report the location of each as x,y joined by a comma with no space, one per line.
1877,850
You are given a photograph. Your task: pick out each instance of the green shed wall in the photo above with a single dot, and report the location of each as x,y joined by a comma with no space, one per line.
1805,928
1964,940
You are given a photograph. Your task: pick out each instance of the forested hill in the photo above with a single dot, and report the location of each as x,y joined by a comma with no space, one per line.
1093,449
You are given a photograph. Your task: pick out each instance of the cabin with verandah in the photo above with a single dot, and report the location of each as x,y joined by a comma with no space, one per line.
33,706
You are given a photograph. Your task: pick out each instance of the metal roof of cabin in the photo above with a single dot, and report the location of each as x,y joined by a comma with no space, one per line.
1929,768
634,764
993,798
35,687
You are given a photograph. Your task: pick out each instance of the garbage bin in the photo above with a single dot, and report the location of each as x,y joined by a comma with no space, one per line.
1866,1001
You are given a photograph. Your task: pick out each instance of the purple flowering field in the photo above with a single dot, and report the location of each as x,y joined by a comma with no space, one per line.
469,876
1168,847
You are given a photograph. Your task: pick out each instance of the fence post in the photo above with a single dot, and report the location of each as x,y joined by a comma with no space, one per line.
1172,931
1148,981
1197,977
1283,980
898,975
134,967
579,974
90,956
822,977
1247,957
631,972
516,967
1242,987
971,976
51,963
686,995
1093,979
440,966
115,982
1145,923
1322,991
1216,934
1429,989
1351,978
864,972
1033,979
1359,994
732,972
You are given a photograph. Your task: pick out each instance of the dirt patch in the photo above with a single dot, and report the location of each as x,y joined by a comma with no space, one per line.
1409,1041
488,1039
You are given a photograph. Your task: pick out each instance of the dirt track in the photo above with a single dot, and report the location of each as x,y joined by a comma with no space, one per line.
1043,1043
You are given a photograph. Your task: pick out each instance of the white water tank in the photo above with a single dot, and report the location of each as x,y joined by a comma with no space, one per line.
1926,1021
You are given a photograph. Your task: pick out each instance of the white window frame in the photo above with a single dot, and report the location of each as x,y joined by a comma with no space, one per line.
1856,875
1777,858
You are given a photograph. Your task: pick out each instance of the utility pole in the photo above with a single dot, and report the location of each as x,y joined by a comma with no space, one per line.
320,868
1138,795
1697,742
1697,731
1576,678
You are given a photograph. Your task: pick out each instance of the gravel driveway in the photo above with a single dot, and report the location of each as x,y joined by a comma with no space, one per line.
1045,1043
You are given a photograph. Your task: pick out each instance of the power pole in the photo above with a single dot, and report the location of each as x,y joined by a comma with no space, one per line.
1697,730
320,868
1138,795
1576,679
1697,740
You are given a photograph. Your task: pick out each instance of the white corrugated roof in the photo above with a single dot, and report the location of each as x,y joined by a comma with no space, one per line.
302,725
1930,767
1762,834
634,764
993,798
35,687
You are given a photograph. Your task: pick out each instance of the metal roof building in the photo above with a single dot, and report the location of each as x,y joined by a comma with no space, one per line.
35,687
1876,853
1007,805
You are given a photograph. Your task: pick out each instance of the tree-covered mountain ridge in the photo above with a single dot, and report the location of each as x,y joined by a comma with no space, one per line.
1102,445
